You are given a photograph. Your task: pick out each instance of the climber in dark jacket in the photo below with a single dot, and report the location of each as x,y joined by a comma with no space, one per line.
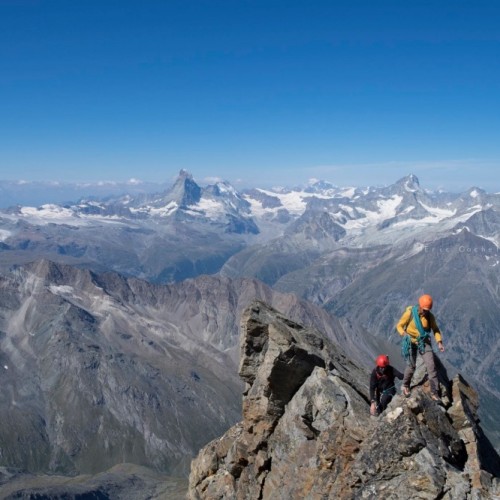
382,386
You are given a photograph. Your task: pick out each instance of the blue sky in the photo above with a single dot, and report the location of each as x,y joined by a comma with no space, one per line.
255,92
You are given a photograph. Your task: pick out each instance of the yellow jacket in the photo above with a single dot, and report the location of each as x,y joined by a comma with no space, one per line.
407,325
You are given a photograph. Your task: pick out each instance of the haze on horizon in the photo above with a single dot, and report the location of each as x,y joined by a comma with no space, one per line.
255,92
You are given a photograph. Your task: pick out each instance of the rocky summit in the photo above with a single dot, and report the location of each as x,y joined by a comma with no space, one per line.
307,433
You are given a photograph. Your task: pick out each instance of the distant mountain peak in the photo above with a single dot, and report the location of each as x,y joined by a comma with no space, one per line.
185,191
410,183
185,174
475,192
315,185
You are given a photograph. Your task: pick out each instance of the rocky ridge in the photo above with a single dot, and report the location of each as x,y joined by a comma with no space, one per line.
306,431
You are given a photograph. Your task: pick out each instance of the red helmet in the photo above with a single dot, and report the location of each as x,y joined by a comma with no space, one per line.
382,361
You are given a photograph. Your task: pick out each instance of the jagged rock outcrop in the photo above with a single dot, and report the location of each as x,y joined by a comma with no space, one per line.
306,430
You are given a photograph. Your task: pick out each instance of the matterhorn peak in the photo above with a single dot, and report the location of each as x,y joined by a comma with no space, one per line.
185,174
185,191
410,183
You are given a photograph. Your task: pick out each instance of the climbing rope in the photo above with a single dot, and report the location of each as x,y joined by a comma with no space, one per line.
406,347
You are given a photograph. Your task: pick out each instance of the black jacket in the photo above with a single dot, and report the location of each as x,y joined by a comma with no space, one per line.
383,382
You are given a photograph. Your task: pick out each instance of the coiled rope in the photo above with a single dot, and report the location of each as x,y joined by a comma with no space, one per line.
423,336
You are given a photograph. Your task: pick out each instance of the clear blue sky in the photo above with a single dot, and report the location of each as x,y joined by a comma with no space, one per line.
267,92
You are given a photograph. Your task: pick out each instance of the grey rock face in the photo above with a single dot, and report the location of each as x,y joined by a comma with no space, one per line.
306,430
98,371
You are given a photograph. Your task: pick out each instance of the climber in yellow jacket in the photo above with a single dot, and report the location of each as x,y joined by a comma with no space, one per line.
417,323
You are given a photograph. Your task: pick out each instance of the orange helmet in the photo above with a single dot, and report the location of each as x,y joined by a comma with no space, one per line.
382,361
425,301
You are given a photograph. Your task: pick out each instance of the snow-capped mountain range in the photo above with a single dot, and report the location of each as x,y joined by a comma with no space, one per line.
187,230
357,216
